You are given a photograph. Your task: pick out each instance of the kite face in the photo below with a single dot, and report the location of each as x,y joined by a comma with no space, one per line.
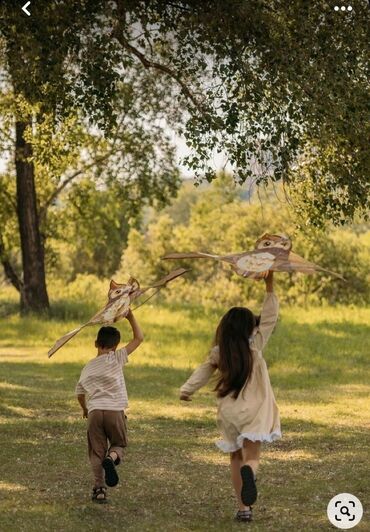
268,241
117,290
120,297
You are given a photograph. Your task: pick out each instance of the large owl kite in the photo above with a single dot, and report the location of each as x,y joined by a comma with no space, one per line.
271,253
120,297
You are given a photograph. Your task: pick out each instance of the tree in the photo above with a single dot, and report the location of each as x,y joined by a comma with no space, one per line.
267,83
77,174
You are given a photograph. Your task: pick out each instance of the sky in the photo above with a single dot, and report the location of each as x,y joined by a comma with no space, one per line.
218,161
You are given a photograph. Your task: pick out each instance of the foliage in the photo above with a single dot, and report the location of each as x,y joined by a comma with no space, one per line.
279,88
221,222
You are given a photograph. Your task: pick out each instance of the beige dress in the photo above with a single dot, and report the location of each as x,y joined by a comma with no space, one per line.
254,414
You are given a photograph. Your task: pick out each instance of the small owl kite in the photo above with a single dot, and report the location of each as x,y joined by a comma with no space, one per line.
120,297
272,252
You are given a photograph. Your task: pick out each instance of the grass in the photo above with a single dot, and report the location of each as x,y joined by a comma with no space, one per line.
174,478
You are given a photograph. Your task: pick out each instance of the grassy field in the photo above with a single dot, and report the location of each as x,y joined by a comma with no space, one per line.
173,477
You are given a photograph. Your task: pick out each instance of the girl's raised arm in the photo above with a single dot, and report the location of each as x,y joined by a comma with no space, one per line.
269,315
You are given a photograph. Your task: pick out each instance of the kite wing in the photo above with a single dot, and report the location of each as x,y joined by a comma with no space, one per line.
64,339
195,255
295,263
192,255
170,277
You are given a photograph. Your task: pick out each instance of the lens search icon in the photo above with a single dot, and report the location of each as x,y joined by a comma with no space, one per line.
345,511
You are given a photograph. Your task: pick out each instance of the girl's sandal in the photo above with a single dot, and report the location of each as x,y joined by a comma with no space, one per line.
99,495
111,477
249,488
244,516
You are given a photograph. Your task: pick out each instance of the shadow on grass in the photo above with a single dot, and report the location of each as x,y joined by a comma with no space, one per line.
171,473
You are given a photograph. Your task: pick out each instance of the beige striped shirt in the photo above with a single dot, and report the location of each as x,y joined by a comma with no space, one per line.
103,383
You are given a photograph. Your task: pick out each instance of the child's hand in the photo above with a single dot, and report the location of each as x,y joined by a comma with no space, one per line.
129,315
85,413
184,397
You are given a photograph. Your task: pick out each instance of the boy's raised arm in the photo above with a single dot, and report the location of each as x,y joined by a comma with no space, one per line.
138,335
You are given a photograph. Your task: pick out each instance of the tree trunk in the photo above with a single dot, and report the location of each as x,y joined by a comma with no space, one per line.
34,294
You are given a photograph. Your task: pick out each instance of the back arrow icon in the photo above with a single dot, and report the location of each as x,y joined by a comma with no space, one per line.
24,8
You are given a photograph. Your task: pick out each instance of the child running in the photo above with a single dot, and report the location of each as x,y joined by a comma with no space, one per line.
103,383
247,411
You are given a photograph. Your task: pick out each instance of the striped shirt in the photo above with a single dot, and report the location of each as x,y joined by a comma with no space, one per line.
103,382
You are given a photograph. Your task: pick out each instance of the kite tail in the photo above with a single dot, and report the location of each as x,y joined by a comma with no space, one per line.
332,273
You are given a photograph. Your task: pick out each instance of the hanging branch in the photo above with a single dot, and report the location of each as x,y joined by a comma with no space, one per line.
118,34
68,180
9,271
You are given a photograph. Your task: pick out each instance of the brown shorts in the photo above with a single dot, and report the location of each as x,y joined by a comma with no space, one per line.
106,432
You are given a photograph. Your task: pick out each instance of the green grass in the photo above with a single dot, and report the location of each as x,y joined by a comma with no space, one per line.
173,477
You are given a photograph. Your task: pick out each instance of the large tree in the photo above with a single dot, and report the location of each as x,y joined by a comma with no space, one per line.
279,87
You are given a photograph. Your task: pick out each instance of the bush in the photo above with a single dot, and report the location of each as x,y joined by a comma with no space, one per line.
78,300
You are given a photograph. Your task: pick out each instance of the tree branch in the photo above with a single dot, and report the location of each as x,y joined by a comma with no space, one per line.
9,271
117,33
68,180
62,186
163,68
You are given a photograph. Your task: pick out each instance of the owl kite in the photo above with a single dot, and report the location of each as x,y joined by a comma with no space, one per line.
271,253
120,297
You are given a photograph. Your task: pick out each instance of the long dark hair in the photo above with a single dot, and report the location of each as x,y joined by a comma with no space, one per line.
236,359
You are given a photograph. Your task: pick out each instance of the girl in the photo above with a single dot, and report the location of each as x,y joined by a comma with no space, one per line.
247,411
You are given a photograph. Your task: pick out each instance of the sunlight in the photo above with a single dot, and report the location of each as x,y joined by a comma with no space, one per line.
9,386
7,486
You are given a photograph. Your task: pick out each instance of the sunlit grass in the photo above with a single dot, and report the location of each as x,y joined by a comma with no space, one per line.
173,477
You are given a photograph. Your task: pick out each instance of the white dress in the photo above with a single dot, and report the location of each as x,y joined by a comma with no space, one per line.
254,414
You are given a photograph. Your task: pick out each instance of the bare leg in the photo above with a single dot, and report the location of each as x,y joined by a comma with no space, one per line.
251,454
113,455
236,462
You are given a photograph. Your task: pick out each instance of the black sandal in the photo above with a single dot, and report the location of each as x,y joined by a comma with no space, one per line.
98,492
244,516
111,476
249,488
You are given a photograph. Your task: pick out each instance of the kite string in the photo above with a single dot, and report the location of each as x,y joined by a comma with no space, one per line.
147,299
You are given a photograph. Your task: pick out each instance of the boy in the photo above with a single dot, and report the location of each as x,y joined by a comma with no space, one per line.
103,382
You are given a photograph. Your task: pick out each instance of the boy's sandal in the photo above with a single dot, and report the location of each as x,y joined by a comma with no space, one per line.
111,477
99,495
249,488
244,516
